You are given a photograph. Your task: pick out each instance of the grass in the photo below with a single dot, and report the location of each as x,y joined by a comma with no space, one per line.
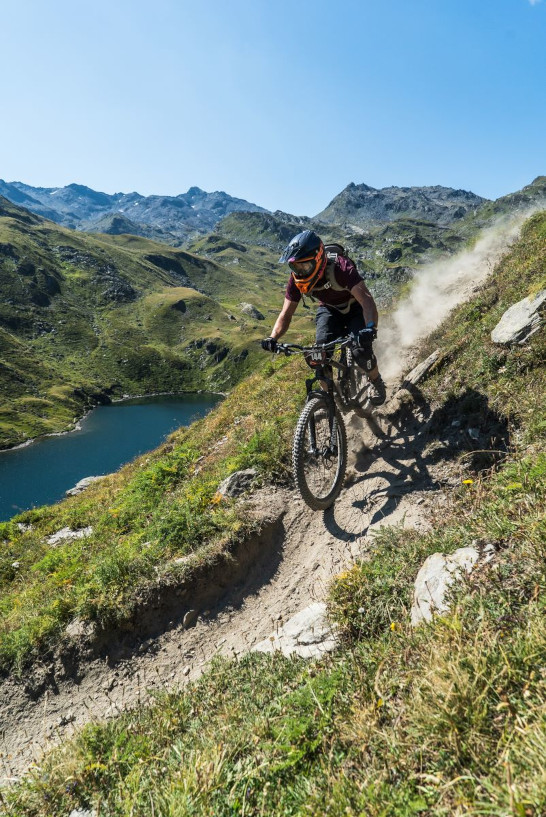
161,506
445,719
92,316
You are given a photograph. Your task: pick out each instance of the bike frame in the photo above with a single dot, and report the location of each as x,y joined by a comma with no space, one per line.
334,386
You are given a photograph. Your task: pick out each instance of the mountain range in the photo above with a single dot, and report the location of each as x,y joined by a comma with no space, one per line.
177,219
172,218
85,316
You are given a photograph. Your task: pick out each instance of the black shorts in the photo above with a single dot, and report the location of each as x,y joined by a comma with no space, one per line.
332,324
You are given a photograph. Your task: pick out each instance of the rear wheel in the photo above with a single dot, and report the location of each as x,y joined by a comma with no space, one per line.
319,454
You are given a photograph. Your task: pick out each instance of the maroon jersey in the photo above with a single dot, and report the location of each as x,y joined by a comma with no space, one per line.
334,288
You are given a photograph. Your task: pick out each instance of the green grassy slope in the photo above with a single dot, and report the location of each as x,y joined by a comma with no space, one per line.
83,317
386,255
448,719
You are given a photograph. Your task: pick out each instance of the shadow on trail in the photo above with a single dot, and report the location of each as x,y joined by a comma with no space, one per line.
426,450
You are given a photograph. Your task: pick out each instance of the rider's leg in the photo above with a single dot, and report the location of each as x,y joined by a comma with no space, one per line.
363,355
366,359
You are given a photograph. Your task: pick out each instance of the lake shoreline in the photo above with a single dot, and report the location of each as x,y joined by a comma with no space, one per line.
111,435
76,424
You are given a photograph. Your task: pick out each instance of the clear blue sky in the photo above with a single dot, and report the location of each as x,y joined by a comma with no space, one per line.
282,102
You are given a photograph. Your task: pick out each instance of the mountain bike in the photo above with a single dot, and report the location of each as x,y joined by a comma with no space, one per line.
319,450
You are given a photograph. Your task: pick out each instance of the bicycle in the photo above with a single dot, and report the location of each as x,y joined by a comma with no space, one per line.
319,450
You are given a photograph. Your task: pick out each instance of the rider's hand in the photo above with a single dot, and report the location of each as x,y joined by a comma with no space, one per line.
269,345
367,335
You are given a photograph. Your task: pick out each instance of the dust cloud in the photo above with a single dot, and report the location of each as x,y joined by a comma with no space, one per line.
438,287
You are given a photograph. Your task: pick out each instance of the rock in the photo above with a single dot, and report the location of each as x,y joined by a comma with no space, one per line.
119,291
436,575
82,485
250,310
394,254
80,629
307,634
237,483
520,321
189,619
419,372
26,267
68,535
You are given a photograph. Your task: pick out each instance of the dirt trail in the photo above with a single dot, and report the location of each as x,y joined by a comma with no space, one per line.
299,553
394,480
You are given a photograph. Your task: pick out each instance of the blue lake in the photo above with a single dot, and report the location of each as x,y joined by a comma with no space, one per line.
40,473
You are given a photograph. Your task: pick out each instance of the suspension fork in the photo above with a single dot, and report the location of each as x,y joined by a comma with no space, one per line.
329,397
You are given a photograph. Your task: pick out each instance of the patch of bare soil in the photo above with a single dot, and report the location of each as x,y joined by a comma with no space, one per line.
246,596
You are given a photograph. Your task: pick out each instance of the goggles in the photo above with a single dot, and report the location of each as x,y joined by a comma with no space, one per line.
302,269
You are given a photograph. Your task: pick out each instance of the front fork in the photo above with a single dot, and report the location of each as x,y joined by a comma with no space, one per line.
328,395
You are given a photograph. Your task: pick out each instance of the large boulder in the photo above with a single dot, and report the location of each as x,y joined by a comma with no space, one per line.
520,321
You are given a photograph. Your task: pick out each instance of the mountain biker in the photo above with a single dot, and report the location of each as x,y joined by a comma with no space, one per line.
345,303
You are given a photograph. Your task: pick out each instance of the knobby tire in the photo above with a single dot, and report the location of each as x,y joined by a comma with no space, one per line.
315,415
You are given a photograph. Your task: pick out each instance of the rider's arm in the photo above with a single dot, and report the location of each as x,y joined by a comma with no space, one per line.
366,301
285,316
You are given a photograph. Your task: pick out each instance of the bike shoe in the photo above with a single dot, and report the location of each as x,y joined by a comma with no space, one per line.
377,392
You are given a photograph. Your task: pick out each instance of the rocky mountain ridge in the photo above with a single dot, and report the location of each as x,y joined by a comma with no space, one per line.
175,217
362,205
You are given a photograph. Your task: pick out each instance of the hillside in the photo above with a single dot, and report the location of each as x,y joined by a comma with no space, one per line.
447,718
387,255
84,318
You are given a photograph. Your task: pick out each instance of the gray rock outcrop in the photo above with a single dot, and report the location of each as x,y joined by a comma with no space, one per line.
68,535
252,312
82,485
520,321
237,483
436,576
307,634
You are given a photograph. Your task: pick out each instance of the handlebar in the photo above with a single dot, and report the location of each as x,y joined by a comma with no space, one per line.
294,348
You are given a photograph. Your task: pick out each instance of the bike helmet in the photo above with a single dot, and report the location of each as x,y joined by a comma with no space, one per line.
306,258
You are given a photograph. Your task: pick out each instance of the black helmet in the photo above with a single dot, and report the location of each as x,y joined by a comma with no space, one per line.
306,258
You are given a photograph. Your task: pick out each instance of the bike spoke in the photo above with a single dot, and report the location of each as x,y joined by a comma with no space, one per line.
320,460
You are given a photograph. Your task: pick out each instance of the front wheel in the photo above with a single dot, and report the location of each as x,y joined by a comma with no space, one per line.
319,454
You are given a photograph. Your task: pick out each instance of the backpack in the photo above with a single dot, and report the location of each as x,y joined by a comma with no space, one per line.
334,250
